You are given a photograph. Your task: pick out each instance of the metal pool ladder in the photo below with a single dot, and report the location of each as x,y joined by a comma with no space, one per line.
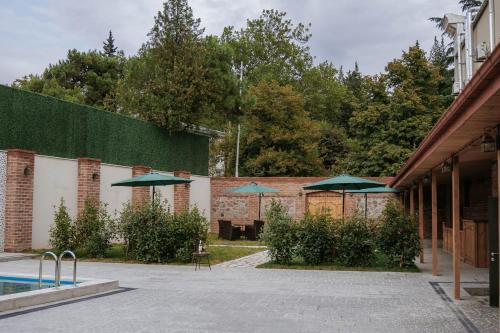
40,270
60,264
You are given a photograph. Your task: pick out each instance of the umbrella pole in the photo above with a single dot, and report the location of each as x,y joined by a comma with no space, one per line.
260,196
153,195
366,205
343,203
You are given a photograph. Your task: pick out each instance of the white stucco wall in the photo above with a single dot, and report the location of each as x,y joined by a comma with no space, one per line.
54,178
166,192
115,197
200,194
3,177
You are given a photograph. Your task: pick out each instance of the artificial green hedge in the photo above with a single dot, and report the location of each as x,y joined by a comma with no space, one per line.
54,127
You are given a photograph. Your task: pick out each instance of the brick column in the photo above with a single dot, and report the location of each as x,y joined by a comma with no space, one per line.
89,184
19,200
181,193
140,194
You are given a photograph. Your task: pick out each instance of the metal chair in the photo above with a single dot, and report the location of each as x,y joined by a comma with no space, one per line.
199,253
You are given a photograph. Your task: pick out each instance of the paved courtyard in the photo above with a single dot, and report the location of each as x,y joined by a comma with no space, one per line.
244,299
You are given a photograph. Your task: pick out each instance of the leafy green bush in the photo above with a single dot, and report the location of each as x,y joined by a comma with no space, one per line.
144,229
398,236
61,232
93,229
153,234
355,241
279,233
185,229
316,238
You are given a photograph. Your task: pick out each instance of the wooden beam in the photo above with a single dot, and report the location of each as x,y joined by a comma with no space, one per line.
498,198
455,203
434,214
412,202
421,230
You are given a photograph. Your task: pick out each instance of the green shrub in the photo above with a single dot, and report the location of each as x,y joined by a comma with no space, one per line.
315,238
185,229
144,229
354,241
61,231
279,233
93,229
153,234
398,236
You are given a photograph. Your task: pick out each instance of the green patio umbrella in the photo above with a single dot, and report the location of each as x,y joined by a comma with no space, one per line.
152,179
253,188
374,190
343,183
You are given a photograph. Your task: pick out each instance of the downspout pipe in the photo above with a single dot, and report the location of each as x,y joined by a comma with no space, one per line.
491,14
468,45
458,47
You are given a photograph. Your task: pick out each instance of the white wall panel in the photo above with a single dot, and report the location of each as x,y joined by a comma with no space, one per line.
54,178
3,178
166,192
200,194
115,197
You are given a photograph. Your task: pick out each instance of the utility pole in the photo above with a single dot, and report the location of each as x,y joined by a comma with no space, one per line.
239,128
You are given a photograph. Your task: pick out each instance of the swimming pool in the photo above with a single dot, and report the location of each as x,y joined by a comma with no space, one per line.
21,290
15,284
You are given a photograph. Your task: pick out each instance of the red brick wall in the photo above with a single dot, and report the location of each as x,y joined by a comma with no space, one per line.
19,200
140,194
181,192
89,175
243,208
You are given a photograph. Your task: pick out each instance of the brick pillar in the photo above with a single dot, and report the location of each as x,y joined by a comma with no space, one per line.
140,194
89,184
19,199
181,193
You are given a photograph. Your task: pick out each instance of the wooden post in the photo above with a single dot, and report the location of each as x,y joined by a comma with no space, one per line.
434,222
498,197
412,202
421,218
455,203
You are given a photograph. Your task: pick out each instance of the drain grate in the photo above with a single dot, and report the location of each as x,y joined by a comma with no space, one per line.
477,291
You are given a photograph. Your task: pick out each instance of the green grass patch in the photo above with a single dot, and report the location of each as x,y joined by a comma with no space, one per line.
380,264
213,239
116,254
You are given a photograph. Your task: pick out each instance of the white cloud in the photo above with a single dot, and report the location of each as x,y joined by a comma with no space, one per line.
36,33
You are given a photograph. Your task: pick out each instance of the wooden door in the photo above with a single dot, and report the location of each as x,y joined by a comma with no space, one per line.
330,201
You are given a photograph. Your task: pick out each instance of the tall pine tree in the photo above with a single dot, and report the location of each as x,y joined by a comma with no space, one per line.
109,47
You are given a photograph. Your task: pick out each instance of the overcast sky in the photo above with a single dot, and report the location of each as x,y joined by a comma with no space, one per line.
34,33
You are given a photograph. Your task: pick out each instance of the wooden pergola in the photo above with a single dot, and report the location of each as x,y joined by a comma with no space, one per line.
455,143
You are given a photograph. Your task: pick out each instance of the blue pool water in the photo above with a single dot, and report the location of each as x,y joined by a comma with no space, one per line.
15,284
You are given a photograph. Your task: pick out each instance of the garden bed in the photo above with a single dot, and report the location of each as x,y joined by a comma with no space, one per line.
116,254
380,264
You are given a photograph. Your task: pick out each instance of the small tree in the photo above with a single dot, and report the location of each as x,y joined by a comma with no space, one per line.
398,236
315,238
355,243
279,233
94,229
62,229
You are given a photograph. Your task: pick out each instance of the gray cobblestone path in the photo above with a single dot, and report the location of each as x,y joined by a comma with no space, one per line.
180,299
248,261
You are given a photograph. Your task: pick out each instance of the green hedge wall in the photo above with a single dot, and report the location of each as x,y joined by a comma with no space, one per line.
54,127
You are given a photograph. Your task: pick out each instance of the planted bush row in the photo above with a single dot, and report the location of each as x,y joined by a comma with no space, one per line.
353,241
150,232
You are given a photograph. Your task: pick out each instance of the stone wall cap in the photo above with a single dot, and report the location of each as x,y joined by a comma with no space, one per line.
90,159
19,151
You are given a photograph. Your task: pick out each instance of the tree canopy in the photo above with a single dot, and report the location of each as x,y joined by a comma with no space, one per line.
298,117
